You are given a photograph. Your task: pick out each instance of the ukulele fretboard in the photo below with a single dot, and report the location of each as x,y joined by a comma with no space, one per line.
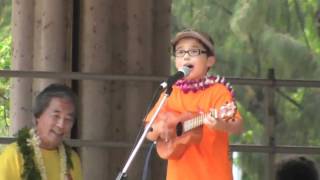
194,122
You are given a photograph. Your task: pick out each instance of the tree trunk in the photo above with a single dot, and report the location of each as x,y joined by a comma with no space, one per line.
21,88
95,102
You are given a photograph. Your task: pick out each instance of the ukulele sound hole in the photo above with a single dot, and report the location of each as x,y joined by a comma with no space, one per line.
179,129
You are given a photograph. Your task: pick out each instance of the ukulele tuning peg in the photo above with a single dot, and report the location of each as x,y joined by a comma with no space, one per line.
215,113
217,79
223,80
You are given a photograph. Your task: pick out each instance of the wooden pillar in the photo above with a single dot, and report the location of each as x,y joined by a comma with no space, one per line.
140,28
21,88
161,38
161,66
51,30
118,88
95,56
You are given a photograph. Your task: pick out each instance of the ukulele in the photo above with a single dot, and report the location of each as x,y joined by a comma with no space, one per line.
188,131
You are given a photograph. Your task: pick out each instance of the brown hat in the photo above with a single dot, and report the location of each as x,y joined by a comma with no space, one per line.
201,36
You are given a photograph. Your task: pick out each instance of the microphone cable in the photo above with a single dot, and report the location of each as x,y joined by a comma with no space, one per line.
147,159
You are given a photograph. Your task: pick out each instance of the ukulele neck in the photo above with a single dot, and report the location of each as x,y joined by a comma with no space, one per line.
193,123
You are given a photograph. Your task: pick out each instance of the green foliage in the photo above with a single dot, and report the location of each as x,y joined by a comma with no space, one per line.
30,170
5,52
5,59
5,17
248,18
252,36
252,161
4,114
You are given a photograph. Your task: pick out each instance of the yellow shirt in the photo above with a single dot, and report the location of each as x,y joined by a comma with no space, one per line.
11,164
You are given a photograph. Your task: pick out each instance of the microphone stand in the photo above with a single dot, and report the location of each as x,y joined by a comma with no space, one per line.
123,174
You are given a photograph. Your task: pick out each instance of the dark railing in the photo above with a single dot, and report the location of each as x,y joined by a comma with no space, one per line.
271,84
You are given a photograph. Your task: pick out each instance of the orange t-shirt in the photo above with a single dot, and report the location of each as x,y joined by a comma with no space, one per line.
208,160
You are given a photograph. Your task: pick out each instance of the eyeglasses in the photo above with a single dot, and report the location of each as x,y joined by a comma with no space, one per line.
191,52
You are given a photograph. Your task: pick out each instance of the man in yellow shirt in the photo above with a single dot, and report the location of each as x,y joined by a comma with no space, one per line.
39,153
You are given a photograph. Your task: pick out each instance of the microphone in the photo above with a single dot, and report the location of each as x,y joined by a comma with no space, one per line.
182,72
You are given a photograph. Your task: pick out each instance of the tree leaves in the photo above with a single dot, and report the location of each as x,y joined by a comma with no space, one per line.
251,37
5,59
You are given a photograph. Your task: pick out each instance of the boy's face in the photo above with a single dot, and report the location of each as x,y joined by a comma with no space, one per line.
198,62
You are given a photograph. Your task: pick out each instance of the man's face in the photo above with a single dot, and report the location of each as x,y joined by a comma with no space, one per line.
55,122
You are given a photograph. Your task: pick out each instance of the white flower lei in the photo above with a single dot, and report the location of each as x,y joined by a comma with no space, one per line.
34,142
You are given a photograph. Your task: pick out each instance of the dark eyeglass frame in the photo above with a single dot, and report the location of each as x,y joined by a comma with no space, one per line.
197,52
